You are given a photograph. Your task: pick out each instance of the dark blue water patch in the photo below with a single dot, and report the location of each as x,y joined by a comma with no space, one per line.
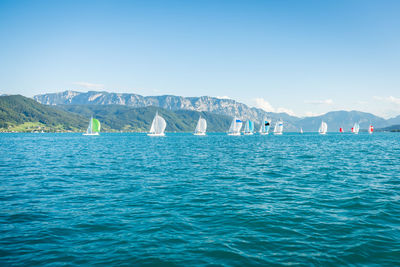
127,199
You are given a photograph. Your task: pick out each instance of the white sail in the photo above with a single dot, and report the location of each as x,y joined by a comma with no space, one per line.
201,127
157,126
235,127
301,130
265,124
249,128
323,128
93,127
278,129
89,129
246,127
356,128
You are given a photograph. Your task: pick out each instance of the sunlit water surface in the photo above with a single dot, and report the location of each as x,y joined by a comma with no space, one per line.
129,199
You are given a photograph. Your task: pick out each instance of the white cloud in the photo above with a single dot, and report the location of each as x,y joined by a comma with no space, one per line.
384,106
266,106
224,97
320,102
388,99
312,114
285,110
89,85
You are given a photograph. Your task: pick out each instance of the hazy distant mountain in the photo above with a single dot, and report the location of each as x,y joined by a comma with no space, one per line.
344,119
394,121
228,107
391,128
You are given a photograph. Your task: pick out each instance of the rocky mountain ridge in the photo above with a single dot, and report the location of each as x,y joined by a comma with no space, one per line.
227,107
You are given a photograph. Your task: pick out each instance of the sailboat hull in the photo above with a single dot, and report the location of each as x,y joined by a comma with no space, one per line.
248,133
234,134
264,133
201,134
90,134
155,134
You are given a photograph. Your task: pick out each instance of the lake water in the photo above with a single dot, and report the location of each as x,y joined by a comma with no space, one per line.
128,199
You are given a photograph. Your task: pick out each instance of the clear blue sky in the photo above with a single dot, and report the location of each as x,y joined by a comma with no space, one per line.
305,56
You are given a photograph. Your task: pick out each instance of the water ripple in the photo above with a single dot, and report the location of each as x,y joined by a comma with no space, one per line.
126,199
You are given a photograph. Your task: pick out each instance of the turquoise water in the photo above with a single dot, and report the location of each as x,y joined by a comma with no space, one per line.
129,199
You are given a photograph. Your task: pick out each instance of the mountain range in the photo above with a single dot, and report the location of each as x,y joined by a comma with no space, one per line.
227,107
22,114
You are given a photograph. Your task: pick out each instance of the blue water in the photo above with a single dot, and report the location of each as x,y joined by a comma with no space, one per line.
129,199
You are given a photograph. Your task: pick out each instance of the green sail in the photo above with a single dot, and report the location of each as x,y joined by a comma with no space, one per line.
95,126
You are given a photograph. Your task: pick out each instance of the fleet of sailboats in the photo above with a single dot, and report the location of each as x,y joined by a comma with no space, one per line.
278,129
235,127
249,127
201,127
94,127
157,126
323,128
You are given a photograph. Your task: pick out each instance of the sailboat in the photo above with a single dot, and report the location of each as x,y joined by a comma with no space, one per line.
93,128
370,129
157,126
323,128
278,129
301,130
264,128
341,130
235,127
201,127
356,128
249,128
